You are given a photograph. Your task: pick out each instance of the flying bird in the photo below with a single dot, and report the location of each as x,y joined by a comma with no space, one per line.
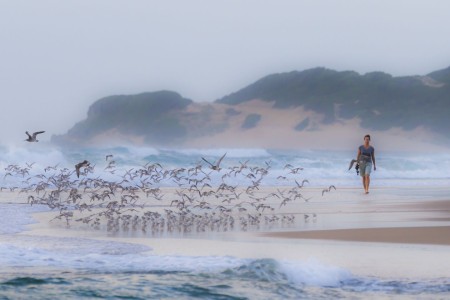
328,189
32,138
303,183
216,165
80,165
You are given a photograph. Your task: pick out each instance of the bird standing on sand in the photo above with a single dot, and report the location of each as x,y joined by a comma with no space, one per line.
78,166
216,165
32,138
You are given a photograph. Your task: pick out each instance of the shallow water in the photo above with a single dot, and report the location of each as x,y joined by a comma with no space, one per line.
54,266
254,279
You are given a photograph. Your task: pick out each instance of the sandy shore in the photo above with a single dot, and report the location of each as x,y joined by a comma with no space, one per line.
413,215
418,222
391,232
439,235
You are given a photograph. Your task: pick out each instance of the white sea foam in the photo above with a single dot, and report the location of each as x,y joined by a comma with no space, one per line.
313,272
41,156
319,167
102,256
16,216
218,152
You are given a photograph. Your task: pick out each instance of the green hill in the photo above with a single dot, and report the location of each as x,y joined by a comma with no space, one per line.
151,115
380,100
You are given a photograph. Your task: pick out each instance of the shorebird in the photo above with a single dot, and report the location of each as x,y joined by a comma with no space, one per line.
78,166
216,165
328,189
32,138
303,182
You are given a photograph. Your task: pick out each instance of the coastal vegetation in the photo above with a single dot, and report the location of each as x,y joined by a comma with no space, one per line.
379,100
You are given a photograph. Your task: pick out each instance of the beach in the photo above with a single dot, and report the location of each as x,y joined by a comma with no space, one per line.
408,223
327,242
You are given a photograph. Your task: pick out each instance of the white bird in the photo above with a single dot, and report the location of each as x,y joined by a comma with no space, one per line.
32,138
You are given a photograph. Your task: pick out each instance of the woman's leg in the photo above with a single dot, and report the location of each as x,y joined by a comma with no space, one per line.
367,183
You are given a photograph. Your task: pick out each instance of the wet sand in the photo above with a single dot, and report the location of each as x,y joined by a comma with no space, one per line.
438,235
392,232
417,221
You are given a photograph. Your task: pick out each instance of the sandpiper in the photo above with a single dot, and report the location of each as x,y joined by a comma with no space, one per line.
216,165
78,166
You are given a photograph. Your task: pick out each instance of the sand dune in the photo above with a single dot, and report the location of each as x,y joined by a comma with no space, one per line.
276,129
215,127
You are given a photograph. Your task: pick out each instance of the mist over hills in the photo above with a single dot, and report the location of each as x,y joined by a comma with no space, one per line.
305,101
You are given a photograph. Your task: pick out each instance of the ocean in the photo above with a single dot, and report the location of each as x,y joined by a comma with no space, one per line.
68,267
319,167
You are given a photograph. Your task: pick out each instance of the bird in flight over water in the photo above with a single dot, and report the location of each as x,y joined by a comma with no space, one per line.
216,165
32,138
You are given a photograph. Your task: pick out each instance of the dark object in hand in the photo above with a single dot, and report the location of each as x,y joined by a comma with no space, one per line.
357,169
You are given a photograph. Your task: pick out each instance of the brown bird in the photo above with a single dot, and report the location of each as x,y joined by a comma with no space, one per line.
32,138
78,166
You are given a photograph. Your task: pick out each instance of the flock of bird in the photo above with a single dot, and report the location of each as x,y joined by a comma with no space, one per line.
151,198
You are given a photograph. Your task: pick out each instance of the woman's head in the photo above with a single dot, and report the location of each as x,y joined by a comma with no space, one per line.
367,138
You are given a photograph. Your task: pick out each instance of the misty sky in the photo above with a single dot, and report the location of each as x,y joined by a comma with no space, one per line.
58,57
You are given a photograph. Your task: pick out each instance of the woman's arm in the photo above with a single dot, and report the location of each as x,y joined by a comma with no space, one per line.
373,160
358,155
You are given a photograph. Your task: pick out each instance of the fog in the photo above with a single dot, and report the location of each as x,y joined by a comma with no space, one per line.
58,57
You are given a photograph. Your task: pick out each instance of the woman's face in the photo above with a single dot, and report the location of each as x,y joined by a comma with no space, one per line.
366,140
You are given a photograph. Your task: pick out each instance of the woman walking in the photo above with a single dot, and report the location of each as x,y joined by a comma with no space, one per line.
365,158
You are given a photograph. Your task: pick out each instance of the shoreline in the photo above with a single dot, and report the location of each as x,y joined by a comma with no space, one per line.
433,235
388,215
397,226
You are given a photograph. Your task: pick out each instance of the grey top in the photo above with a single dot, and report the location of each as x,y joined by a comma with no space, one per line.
367,151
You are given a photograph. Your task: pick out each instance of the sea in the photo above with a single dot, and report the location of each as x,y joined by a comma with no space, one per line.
49,267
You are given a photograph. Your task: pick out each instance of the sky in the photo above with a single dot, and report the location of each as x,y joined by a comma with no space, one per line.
59,57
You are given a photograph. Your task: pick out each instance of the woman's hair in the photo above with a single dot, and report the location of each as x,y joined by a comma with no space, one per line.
367,136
